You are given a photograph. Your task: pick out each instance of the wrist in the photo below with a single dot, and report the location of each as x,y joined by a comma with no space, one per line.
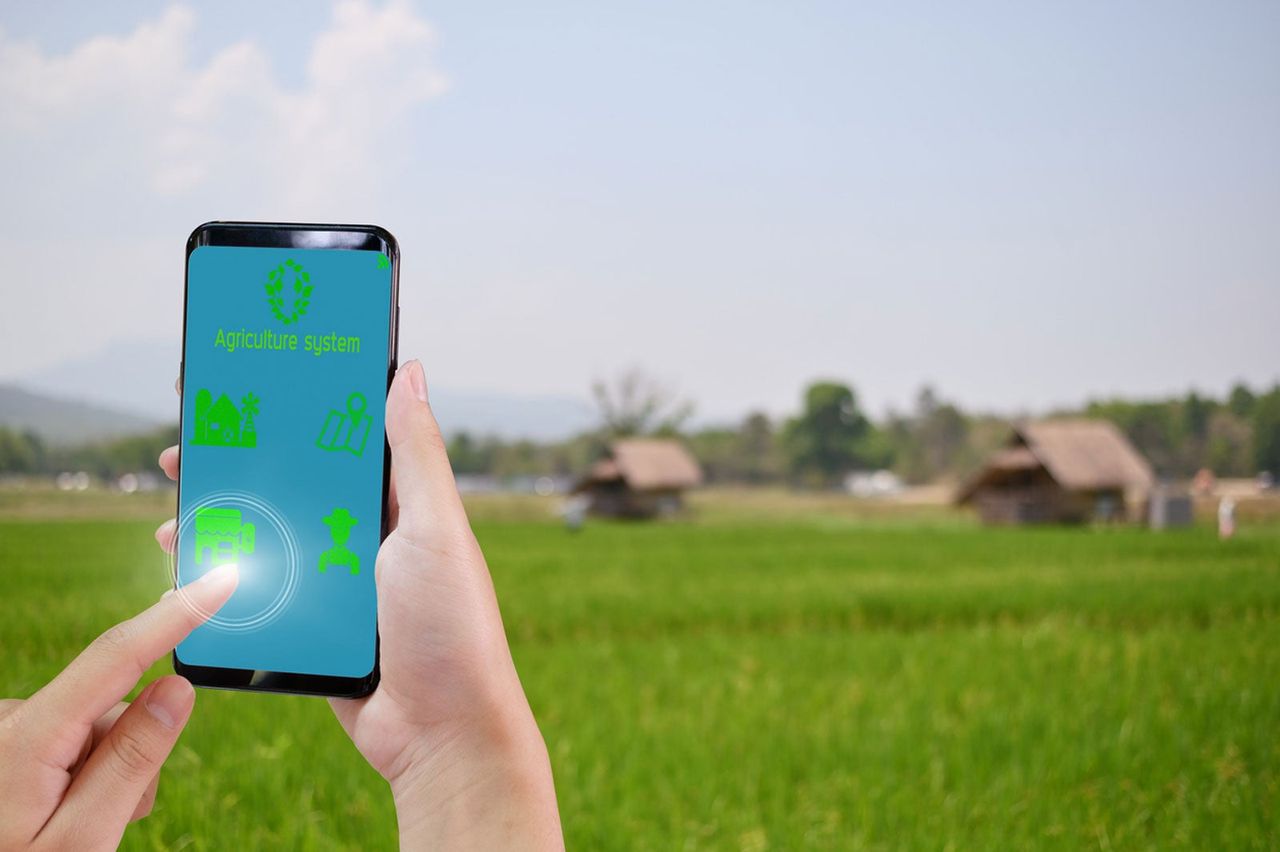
483,783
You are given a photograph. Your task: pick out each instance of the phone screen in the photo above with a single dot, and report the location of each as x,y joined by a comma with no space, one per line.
286,357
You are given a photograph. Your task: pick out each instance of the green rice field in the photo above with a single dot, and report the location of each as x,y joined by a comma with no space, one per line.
755,679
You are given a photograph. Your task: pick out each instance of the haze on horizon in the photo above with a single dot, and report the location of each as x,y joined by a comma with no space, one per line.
1023,207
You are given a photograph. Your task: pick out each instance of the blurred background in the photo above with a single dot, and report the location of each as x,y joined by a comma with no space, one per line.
871,412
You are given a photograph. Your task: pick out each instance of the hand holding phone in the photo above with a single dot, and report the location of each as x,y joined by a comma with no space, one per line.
448,726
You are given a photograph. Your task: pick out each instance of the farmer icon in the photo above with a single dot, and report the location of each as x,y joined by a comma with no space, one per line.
221,534
340,523
347,430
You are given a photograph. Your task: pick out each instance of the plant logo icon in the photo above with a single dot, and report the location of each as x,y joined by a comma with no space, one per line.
290,272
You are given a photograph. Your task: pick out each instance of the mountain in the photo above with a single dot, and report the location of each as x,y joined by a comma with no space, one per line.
134,376
138,377
65,421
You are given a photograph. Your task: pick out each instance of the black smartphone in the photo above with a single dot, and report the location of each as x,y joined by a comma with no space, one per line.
289,347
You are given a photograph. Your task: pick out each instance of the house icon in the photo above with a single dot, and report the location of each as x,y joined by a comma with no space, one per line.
221,424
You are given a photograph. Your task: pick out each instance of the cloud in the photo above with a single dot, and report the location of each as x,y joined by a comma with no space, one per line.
111,151
146,67
141,111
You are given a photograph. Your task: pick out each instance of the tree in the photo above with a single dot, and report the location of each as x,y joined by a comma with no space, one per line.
822,443
468,455
941,432
20,452
1192,439
757,445
1229,445
748,453
717,453
1241,400
1266,432
637,404
1153,429
932,442
1195,416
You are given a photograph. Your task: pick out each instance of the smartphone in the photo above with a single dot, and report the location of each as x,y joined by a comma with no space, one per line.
289,347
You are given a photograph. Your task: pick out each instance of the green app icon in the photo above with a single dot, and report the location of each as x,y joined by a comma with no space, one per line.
222,535
288,281
346,430
340,523
219,423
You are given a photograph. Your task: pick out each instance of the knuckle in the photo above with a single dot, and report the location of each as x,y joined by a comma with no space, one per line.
455,544
422,542
132,753
11,733
118,642
8,712
114,640
432,439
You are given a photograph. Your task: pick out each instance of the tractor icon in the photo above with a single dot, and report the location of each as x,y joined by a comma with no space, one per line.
222,534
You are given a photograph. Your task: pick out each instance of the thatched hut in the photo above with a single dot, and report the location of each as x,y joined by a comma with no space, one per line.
640,478
1060,471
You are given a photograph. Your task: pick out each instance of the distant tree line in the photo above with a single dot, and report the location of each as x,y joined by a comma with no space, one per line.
1235,436
1238,436
827,438
23,452
830,436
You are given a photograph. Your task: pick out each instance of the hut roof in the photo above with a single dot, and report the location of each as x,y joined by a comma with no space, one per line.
1086,455
647,464
1080,455
1013,458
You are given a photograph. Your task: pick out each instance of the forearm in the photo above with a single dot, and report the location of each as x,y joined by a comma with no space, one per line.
489,788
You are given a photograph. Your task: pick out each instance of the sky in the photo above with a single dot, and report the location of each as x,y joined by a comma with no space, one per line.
1024,205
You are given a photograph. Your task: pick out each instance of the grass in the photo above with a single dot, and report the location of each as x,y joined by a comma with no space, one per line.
814,680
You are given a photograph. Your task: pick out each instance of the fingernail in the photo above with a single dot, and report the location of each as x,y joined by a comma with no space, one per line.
168,700
417,379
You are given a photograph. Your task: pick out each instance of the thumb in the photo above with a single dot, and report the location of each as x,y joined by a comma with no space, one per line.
106,792
425,488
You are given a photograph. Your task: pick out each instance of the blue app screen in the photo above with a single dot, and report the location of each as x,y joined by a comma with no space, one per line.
284,390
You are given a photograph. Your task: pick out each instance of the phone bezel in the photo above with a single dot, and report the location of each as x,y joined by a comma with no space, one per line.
311,236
